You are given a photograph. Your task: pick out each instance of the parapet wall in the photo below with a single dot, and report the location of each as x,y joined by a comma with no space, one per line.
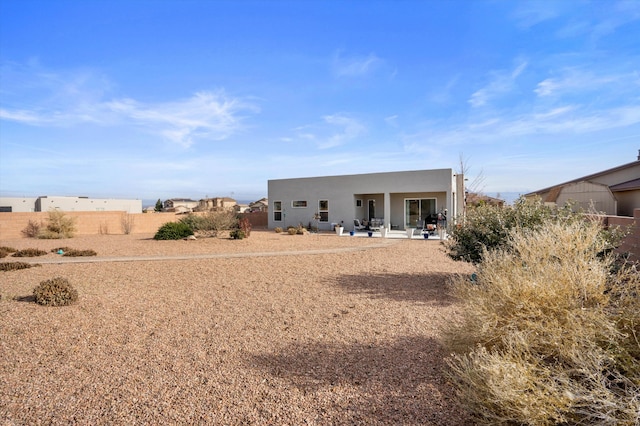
104,222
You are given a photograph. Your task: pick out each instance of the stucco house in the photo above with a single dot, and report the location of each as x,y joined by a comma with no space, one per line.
179,205
216,204
614,191
397,200
262,205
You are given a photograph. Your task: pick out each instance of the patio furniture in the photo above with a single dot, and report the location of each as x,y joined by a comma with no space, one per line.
357,226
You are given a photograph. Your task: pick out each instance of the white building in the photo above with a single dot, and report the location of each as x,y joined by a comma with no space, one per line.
68,204
397,199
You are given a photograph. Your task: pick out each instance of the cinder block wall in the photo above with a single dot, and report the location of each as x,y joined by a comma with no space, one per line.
631,243
88,223
108,222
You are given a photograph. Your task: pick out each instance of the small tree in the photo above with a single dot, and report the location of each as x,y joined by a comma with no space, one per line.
58,226
159,206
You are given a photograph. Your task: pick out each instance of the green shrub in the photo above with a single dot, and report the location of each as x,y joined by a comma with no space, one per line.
15,266
488,227
173,231
237,234
58,226
55,292
30,252
548,334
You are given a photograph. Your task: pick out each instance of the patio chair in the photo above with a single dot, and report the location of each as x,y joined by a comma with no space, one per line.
357,226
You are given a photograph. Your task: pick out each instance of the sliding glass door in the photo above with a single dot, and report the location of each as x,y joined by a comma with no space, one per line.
415,211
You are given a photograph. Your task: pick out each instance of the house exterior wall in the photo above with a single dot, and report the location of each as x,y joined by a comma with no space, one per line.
387,189
627,202
69,204
18,204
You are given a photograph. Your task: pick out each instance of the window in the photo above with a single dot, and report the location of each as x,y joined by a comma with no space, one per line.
323,210
299,204
358,203
277,211
417,210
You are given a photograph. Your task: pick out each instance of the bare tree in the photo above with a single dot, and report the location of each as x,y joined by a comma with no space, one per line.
475,185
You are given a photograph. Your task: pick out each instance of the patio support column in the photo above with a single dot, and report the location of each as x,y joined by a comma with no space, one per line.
387,209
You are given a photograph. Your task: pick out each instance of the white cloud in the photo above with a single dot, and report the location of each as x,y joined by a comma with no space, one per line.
501,83
70,98
354,66
573,80
350,129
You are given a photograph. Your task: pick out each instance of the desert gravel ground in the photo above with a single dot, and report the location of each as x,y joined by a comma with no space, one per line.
310,329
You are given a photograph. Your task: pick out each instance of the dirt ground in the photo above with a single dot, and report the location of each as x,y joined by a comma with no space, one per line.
273,329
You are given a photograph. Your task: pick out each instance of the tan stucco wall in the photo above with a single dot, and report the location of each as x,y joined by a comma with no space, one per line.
87,223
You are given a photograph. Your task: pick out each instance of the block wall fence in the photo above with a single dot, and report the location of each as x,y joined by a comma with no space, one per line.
105,222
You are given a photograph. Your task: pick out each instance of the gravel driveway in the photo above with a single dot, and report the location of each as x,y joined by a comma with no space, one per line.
310,329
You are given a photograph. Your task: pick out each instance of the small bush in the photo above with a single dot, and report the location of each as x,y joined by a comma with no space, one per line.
55,292
14,266
4,251
32,229
79,253
127,222
488,227
292,231
58,226
278,230
30,252
211,223
237,234
173,231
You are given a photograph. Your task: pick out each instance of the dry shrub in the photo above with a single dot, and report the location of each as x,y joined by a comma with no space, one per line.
58,226
127,222
4,251
15,266
79,253
29,252
55,292
548,334
32,229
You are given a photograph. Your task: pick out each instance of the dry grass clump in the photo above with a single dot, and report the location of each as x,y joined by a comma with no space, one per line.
58,226
71,252
55,292
15,266
549,334
5,251
29,252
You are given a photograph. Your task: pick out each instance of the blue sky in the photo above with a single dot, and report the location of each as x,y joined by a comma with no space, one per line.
162,99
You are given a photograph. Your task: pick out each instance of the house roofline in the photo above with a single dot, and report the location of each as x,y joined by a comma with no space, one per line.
585,178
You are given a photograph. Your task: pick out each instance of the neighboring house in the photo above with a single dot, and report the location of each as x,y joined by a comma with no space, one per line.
473,199
216,204
262,205
614,191
179,205
69,204
398,199
241,208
